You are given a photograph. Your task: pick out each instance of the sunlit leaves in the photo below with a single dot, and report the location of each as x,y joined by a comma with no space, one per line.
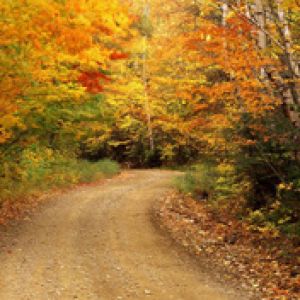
54,50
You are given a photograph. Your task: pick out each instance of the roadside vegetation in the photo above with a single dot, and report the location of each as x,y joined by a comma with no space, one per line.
38,171
227,188
41,169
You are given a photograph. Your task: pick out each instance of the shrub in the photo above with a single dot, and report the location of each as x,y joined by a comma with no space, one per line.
216,181
39,168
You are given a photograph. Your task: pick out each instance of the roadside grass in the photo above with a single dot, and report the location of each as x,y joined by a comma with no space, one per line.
37,171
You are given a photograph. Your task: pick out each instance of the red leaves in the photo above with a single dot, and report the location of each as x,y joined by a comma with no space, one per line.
91,80
118,55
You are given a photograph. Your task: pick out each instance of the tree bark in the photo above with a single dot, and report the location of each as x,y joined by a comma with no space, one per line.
146,81
262,37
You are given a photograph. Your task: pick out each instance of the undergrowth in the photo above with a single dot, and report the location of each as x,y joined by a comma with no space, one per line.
228,190
210,180
38,169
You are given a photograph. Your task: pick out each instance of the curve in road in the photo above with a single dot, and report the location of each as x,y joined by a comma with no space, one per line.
100,243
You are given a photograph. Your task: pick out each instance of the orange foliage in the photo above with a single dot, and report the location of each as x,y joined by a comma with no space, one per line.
118,55
92,81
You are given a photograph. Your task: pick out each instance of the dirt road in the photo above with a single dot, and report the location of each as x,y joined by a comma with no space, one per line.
100,243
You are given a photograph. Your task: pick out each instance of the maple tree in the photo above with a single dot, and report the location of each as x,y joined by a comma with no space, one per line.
54,51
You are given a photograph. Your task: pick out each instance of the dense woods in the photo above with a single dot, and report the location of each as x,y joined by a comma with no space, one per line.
213,85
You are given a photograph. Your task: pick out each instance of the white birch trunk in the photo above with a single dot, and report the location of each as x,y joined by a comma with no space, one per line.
292,94
286,33
225,10
261,21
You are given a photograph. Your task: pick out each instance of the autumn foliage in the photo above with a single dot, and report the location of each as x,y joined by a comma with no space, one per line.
55,59
211,83
156,85
91,81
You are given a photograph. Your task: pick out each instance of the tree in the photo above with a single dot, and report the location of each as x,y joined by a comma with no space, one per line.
54,53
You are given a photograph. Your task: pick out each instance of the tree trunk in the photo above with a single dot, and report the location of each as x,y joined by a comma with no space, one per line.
262,37
225,10
146,81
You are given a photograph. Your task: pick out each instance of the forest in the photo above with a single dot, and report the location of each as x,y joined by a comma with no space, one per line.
208,87
211,85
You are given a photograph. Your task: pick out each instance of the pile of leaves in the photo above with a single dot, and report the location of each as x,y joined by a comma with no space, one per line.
267,266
